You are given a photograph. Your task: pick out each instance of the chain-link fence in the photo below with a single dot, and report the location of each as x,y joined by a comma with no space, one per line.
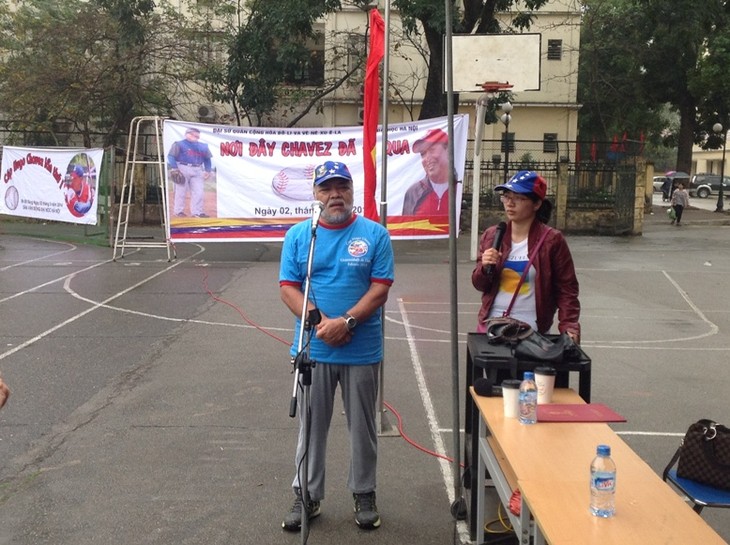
591,179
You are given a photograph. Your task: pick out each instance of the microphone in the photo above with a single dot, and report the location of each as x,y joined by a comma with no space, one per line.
317,208
498,236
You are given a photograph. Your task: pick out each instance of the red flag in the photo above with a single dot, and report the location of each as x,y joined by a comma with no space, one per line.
370,107
614,144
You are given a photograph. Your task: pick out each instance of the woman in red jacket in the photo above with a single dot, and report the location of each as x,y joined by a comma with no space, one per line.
550,285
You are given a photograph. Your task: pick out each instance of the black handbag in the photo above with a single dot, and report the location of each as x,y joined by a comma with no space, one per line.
537,347
705,454
506,330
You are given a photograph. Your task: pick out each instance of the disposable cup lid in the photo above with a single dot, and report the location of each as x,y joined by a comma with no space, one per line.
545,370
511,383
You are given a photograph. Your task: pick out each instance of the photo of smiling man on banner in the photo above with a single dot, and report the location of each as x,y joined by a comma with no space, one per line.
430,195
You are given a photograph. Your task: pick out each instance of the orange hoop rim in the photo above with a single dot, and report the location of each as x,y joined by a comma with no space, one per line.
495,86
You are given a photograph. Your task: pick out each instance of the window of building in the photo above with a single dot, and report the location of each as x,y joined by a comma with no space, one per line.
550,142
356,51
310,68
555,50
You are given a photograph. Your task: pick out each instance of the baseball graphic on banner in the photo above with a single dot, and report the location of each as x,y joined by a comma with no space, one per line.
294,183
12,198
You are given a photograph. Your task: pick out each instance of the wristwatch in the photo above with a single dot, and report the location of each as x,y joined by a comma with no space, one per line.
350,321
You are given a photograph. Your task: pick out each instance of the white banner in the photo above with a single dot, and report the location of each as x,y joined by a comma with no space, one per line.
58,184
242,183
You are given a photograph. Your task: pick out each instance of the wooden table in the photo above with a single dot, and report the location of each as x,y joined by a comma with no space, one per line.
549,463
484,359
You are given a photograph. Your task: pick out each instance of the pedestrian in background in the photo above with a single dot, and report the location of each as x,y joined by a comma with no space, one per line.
352,271
680,200
666,188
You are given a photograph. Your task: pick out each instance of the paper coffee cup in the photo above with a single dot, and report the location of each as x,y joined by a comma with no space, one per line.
545,381
511,397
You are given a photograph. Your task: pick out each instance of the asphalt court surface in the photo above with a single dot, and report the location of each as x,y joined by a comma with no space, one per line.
150,398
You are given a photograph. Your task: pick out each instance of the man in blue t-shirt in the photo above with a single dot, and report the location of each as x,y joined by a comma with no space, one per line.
352,271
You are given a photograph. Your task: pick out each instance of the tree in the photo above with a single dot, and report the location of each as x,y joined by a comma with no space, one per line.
713,87
266,43
613,39
680,32
94,65
477,16
656,66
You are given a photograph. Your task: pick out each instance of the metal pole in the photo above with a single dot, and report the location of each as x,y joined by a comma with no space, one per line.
722,173
458,508
506,107
506,148
383,425
477,175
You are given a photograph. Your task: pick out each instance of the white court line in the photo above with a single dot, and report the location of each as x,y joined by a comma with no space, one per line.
64,277
438,442
237,325
46,256
713,327
620,344
95,306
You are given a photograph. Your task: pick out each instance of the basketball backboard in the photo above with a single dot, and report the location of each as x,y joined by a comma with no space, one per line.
509,58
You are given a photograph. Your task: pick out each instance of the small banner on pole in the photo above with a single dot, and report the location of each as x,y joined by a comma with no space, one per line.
58,184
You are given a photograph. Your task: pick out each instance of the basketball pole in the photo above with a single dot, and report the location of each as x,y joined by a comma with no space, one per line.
490,88
383,425
458,507
477,174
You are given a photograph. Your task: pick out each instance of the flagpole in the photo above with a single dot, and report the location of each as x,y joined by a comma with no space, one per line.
383,425
458,507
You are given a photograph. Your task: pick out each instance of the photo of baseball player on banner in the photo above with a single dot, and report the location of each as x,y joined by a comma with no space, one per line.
250,183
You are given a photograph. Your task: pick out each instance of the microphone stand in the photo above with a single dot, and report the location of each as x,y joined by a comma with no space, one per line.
303,365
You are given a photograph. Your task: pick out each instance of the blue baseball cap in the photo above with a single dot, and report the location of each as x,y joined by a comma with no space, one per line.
330,170
78,170
525,181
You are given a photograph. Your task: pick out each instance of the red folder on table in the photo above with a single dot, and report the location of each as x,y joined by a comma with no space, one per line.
588,412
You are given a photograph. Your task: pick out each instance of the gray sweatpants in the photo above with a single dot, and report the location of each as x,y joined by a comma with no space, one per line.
359,384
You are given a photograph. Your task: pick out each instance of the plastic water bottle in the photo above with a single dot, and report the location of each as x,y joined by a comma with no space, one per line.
528,399
603,483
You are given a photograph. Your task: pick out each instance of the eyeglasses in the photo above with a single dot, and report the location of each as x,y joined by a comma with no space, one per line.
513,197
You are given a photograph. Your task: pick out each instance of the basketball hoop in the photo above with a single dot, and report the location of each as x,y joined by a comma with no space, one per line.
495,86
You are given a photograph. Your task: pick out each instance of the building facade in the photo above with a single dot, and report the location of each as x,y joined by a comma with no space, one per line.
550,112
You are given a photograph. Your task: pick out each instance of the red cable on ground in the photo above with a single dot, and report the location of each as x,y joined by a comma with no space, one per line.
242,314
411,441
262,330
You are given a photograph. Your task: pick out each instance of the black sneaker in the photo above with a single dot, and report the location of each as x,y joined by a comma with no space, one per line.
366,512
293,520
202,216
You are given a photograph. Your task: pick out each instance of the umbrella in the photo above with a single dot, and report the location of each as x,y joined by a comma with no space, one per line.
675,174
